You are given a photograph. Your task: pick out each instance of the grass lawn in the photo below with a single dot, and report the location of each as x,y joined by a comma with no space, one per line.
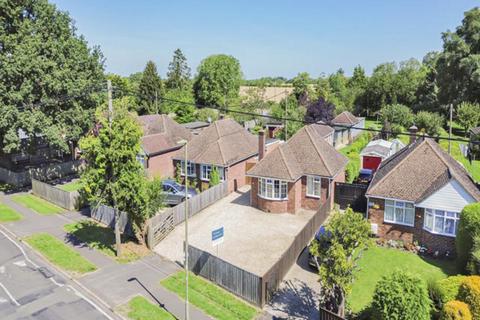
139,308
7,214
102,238
37,204
60,254
71,186
378,261
210,298
373,124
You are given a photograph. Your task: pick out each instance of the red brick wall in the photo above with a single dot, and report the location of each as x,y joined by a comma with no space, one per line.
291,205
406,233
236,176
161,165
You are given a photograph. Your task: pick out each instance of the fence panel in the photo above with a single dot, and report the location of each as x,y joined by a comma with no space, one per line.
106,215
234,279
62,198
160,225
328,315
351,194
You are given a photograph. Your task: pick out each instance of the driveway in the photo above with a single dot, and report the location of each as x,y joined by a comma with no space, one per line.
254,240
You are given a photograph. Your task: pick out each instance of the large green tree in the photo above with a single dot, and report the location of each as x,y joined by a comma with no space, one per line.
48,76
218,80
178,75
150,90
468,115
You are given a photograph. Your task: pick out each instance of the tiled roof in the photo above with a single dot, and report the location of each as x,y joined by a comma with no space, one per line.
475,131
346,118
305,153
323,129
223,143
417,171
161,133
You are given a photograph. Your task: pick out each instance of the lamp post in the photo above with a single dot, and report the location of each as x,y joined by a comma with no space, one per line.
185,171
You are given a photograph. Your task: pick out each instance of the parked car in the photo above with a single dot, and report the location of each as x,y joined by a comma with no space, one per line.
175,192
311,258
365,176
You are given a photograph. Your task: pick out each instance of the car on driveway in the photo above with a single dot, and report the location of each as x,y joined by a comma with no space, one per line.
175,192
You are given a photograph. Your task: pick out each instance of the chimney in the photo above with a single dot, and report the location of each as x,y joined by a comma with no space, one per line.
413,133
261,144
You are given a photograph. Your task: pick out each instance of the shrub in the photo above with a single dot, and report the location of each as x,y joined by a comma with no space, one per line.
468,227
474,265
447,289
469,293
429,122
455,310
401,295
397,114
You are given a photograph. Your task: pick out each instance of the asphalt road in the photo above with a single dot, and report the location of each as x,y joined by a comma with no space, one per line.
28,290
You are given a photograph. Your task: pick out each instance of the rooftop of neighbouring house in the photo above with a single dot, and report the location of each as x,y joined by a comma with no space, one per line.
223,143
382,148
417,171
305,153
195,125
475,131
323,129
161,133
345,118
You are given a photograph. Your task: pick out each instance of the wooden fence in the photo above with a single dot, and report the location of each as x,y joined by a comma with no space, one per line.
62,198
328,315
351,195
106,215
234,279
272,278
160,225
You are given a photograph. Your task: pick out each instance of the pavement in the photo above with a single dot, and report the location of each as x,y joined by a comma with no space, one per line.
110,286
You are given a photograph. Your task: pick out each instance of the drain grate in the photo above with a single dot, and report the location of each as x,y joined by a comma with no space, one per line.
45,272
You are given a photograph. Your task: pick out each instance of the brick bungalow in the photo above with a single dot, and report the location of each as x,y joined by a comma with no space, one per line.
226,145
298,174
418,194
160,141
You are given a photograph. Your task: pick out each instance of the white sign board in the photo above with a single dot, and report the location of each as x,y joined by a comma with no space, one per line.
217,236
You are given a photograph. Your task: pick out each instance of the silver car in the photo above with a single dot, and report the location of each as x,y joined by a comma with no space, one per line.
175,192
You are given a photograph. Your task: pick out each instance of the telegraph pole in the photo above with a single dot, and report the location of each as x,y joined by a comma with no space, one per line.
286,115
156,102
118,240
187,315
450,129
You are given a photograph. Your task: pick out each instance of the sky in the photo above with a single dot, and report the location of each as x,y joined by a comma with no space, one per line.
269,38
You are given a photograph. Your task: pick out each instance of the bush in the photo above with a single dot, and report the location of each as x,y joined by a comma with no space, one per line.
429,122
468,227
455,310
446,290
469,293
401,295
397,114
474,265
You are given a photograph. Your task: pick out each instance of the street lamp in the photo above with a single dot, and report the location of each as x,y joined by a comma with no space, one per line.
185,248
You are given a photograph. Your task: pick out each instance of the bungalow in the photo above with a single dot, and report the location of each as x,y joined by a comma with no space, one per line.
417,196
160,141
224,145
300,173
196,127
377,151
347,127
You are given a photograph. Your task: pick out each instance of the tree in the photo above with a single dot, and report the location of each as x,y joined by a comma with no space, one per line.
178,75
49,79
218,81
468,114
337,253
114,177
380,88
427,92
359,79
181,102
252,102
320,110
121,85
411,74
397,114
429,122
344,97
468,227
301,87
290,109
401,296
150,90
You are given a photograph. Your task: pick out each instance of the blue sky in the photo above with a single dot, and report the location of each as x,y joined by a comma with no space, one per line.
270,38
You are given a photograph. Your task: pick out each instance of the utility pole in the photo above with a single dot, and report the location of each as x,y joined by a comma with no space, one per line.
118,240
187,315
285,121
450,129
156,102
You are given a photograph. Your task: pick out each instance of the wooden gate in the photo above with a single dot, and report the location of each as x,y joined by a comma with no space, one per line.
351,194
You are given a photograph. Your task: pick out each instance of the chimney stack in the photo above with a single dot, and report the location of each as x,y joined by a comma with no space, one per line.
261,144
413,133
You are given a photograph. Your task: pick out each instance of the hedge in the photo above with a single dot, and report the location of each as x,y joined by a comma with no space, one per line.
469,293
468,227
447,289
455,310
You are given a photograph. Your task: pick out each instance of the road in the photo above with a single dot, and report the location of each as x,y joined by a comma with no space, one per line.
30,290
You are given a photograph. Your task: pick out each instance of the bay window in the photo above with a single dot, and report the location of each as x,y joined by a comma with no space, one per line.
441,222
272,189
399,212
190,168
314,186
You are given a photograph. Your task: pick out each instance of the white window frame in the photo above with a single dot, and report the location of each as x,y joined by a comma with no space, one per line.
399,207
312,181
205,171
436,214
272,189
190,168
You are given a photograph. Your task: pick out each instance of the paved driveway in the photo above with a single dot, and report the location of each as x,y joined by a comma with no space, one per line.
254,240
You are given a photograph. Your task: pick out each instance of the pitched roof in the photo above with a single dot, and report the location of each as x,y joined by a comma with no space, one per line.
417,171
323,129
223,143
381,148
161,133
305,153
475,131
345,118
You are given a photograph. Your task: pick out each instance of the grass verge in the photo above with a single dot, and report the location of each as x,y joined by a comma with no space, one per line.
60,254
7,214
139,308
210,298
102,238
37,204
71,186
378,261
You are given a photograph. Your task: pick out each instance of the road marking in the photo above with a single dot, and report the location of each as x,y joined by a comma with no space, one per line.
2,269
3,300
20,263
9,295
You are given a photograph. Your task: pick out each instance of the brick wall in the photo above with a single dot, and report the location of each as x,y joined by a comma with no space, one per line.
291,205
161,165
406,233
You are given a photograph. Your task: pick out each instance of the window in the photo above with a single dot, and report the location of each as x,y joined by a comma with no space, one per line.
190,168
272,189
399,212
141,159
314,186
441,222
206,170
